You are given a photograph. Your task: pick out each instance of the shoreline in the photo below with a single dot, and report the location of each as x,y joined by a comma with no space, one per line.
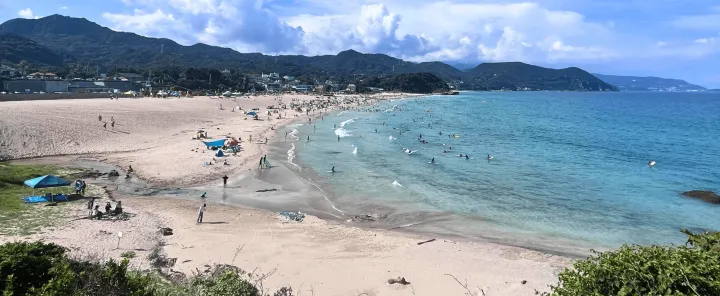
361,252
354,218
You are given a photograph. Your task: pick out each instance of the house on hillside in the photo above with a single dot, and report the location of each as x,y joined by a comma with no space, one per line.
304,88
42,75
132,77
273,87
6,70
351,88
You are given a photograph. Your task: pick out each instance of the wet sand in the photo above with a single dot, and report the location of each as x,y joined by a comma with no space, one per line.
321,257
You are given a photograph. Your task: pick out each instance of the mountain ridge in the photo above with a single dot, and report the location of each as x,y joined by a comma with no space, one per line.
648,83
81,41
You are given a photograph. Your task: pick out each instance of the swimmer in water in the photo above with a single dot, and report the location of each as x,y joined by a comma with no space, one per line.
441,133
376,130
338,138
444,151
308,138
461,155
433,160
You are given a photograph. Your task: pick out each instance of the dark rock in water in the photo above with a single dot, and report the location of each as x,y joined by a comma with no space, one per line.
707,196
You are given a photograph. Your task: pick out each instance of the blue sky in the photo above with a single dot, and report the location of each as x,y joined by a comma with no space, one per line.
666,38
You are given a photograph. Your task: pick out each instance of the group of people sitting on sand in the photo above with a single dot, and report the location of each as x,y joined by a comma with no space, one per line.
94,211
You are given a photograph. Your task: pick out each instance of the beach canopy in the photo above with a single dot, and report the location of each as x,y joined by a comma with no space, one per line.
46,181
214,143
252,113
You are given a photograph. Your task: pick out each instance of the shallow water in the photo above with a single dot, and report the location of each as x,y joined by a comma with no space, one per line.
569,169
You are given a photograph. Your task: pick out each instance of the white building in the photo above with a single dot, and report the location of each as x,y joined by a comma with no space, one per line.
6,70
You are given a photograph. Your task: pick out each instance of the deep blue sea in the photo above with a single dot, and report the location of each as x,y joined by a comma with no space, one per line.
568,169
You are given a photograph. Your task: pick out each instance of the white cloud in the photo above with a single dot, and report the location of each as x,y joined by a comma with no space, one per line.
412,30
26,13
63,8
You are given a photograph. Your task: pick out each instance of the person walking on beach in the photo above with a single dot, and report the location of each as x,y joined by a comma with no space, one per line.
286,133
90,206
99,117
260,164
201,211
225,180
112,124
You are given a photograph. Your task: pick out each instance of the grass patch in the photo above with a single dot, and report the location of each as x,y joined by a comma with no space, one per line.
128,254
17,217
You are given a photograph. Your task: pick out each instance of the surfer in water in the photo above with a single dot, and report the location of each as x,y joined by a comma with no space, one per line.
433,160
308,138
467,156
461,155
333,169
651,163
490,157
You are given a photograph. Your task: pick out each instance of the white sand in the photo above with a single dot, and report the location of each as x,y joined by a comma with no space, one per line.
154,135
314,255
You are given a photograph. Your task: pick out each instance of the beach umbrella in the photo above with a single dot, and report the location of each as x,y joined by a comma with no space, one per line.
47,181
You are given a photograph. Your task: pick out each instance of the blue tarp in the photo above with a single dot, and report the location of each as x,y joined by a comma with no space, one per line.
36,199
252,113
215,143
46,181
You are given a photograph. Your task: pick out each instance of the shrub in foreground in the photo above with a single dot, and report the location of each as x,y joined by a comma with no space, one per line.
693,269
40,269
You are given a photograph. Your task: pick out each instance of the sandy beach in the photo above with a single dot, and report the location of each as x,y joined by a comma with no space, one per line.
315,257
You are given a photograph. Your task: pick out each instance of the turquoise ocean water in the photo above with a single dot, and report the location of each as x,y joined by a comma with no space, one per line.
570,170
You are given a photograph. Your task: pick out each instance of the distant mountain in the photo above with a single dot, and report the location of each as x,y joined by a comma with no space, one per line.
14,49
634,83
521,76
79,41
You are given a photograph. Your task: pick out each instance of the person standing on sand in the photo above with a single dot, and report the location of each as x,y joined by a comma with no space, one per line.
99,117
260,165
105,125
90,206
200,213
225,180
286,133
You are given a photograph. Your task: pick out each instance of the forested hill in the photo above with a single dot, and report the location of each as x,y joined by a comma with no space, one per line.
76,41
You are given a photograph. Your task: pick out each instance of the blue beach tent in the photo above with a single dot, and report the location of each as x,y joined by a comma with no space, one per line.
252,113
219,153
215,143
46,181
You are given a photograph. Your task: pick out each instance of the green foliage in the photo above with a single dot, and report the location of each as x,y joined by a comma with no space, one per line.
128,254
83,43
25,266
647,270
229,283
409,82
39,269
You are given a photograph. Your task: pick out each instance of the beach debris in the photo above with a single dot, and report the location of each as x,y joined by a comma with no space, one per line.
398,280
364,218
113,173
266,190
166,231
705,195
523,282
427,241
293,216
